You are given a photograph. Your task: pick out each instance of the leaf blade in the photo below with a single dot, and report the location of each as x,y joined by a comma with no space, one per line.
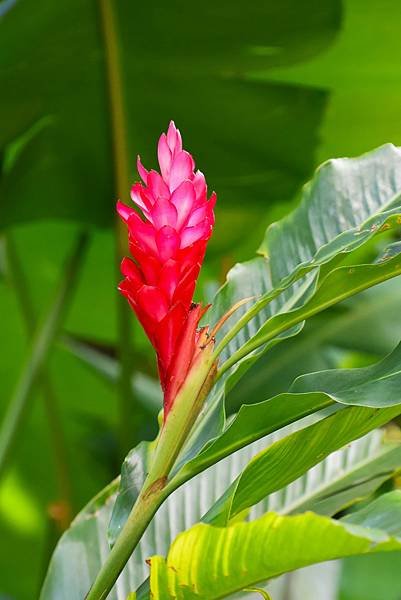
203,562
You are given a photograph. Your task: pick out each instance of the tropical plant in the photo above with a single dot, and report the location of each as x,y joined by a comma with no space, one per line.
262,492
264,92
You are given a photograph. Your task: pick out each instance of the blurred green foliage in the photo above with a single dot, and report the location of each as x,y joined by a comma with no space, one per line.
262,92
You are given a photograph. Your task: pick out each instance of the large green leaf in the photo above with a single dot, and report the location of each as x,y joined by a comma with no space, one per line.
187,504
203,562
345,204
375,385
344,477
254,421
289,286
364,80
287,459
338,285
364,465
186,58
324,342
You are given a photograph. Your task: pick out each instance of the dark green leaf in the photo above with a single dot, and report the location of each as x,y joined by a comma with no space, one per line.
195,65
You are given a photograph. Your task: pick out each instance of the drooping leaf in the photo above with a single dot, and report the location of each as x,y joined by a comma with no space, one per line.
338,285
286,460
317,232
188,504
375,385
254,421
283,291
323,342
343,478
203,562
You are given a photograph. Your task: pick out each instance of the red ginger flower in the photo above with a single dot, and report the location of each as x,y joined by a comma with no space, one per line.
168,248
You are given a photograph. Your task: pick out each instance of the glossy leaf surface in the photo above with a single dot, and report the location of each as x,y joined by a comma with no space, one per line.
203,562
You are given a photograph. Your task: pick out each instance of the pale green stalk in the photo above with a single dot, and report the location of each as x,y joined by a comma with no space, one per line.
175,430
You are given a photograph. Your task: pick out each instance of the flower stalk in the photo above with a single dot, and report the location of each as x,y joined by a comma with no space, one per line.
174,432
167,244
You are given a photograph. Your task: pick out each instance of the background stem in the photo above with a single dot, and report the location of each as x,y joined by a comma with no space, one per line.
41,345
18,281
122,185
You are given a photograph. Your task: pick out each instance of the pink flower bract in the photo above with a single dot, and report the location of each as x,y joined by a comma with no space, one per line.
168,246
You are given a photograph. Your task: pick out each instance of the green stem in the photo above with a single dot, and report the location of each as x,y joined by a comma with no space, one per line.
122,184
236,328
18,282
128,539
181,418
41,345
175,430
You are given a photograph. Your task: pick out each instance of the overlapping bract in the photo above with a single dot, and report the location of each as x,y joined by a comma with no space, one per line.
168,248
